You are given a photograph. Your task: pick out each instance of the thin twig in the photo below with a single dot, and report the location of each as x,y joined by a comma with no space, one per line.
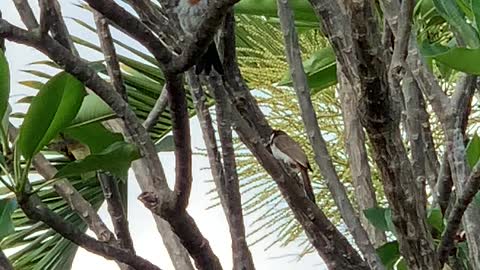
157,110
108,49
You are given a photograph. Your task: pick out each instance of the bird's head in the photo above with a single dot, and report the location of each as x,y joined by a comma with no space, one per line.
275,133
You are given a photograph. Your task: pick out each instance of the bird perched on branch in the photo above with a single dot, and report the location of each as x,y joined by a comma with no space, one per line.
285,149
191,14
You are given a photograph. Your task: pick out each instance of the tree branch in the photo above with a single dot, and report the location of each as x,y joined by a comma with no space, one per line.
115,206
254,131
322,157
108,49
4,262
68,192
151,16
55,23
181,137
36,210
230,187
154,182
135,28
157,110
454,219
26,14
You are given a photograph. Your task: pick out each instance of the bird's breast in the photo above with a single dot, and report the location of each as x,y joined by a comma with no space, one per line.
278,154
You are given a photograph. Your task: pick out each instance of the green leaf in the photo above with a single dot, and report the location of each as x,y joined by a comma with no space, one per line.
93,109
435,219
380,217
473,150
55,106
389,253
302,9
452,13
7,206
475,6
461,59
320,68
165,144
116,159
94,135
4,84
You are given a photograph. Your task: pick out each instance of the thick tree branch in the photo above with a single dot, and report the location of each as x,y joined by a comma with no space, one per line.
26,14
322,157
51,19
242,258
36,210
158,22
181,137
108,49
153,182
157,110
353,31
178,254
230,199
135,28
254,131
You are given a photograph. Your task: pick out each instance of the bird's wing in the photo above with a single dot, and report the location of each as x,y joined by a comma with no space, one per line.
288,145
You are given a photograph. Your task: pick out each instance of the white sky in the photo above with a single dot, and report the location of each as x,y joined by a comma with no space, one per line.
147,241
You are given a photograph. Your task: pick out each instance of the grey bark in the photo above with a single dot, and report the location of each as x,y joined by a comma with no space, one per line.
322,157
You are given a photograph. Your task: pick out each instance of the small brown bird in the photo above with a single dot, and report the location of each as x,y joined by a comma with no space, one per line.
290,152
191,14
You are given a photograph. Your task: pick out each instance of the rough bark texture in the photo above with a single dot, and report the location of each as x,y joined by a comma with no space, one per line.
251,126
353,27
358,162
230,186
224,175
36,210
315,137
4,263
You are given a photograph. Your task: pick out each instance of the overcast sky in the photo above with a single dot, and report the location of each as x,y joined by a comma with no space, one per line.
147,241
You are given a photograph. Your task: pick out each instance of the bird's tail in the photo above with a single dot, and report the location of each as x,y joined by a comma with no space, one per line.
307,185
208,60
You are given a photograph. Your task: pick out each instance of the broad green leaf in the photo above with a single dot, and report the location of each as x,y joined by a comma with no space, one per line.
389,253
461,59
116,159
435,219
94,135
320,68
93,109
4,84
473,150
379,217
452,13
165,144
7,206
54,107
